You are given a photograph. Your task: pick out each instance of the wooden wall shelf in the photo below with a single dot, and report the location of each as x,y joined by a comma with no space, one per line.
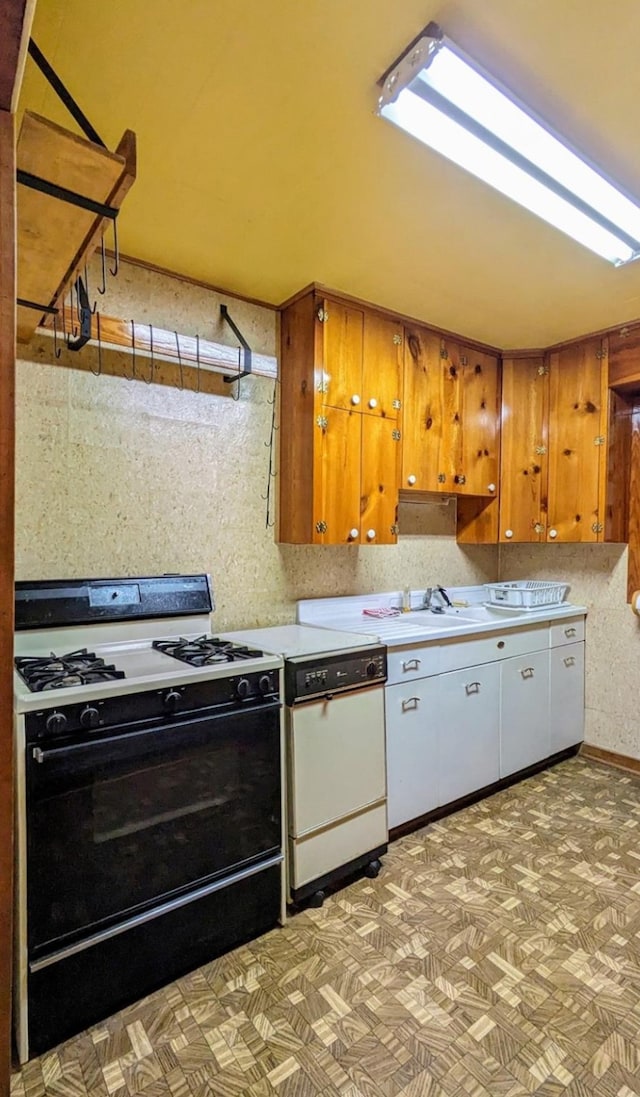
55,238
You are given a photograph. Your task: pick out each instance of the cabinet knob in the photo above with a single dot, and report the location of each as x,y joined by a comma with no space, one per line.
491,487
371,534
553,533
373,403
355,399
411,480
508,533
354,534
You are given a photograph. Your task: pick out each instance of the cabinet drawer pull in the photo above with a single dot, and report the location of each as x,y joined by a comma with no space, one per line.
569,661
411,664
373,403
570,631
500,644
410,703
355,399
472,687
527,672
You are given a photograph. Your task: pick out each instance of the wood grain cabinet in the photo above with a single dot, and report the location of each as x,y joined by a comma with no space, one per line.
450,418
558,475
341,396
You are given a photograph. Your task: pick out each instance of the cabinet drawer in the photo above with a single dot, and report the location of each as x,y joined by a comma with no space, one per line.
570,631
457,654
413,661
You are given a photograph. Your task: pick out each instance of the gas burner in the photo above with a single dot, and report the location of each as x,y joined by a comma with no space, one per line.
77,668
204,651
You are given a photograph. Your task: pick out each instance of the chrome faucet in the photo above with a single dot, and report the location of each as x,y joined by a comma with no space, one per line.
438,593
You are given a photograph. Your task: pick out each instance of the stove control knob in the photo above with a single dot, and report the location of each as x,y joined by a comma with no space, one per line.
265,684
172,700
372,669
243,688
57,722
89,717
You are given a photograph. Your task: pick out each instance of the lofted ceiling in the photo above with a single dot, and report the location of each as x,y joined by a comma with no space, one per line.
262,166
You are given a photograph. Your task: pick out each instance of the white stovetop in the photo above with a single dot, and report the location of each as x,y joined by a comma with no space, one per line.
419,626
296,640
145,667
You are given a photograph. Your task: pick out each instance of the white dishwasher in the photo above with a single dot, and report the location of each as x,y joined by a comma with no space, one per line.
335,736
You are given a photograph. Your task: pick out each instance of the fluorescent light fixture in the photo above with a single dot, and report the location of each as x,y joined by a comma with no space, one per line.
444,99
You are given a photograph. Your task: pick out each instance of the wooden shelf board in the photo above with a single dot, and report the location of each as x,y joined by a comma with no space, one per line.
55,237
119,335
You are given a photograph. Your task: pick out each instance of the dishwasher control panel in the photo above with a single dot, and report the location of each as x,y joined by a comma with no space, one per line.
322,676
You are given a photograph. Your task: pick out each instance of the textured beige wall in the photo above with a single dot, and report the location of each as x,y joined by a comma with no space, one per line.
116,477
598,578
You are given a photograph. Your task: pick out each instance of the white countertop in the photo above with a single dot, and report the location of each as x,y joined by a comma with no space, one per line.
297,640
422,626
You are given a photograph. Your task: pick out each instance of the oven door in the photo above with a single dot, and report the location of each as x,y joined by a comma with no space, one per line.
120,822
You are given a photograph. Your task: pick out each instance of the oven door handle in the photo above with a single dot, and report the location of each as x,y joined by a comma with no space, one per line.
88,749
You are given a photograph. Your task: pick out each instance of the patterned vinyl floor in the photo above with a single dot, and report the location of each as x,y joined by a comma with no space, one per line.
497,954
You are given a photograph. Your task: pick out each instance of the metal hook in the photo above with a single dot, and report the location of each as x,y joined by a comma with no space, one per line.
116,250
74,333
86,284
181,385
56,349
150,380
96,373
103,287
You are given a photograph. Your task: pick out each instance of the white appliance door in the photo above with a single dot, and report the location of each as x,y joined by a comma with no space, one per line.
336,758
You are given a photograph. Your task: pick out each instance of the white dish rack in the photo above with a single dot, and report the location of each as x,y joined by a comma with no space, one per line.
526,594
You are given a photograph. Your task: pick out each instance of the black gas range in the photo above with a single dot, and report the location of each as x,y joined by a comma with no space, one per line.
150,832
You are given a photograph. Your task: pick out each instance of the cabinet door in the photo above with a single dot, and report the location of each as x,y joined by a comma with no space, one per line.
337,489
577,437
382,366
524,722
379,480
478,471
469,730
567,696
339,360
523,445
411,714
430,430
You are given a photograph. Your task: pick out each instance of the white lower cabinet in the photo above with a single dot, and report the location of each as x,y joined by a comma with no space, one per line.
524,716
567,697
464,727
411,713
469,730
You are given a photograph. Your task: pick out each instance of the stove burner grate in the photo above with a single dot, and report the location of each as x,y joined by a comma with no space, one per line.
205,651
77,668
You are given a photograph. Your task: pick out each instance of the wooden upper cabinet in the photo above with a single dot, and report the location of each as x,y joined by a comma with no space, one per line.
339,444
339,360
379,483
451,417
431,420
523,481
558,479
360,359
577,441
479,459
340,395
382,366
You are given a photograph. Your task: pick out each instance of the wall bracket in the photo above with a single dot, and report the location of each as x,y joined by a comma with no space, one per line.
246,349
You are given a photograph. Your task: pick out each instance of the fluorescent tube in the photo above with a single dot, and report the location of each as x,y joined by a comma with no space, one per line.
438,96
